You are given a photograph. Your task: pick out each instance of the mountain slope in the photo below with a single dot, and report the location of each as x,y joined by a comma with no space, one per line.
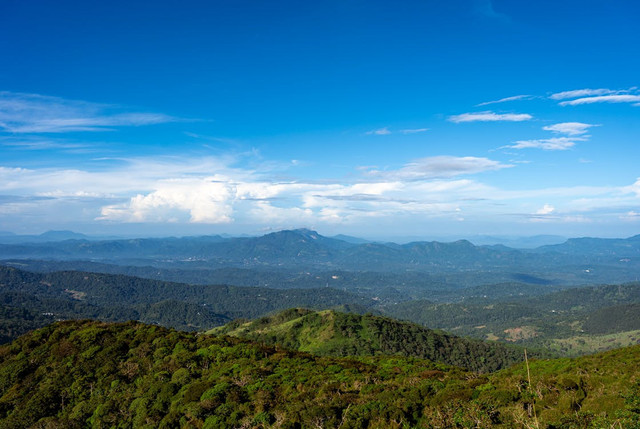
331,333
577,313
90,374
73,295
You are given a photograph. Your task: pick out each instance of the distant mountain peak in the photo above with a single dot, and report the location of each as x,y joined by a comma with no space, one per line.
57,235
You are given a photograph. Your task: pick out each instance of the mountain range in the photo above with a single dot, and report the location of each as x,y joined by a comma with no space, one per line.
305,249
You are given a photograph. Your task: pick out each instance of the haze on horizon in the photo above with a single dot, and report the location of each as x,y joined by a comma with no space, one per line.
372,119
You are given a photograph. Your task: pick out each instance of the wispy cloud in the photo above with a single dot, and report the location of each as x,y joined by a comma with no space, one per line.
506,99
439,167
414,131
554,143
37,143
490,117
574,132
379,132
620,98
600,95
576,93
631,215
569,128
386,131
33,113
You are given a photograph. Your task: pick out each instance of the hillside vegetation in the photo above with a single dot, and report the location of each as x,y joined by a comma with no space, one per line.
566,321
92,374
569,321
331,333
29,300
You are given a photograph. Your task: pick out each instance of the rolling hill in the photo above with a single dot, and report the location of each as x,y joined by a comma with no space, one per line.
331,333
76,295
571,321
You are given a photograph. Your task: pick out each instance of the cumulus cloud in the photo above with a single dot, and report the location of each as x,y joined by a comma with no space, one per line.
545,210
489,116
206,200
570,128
34,113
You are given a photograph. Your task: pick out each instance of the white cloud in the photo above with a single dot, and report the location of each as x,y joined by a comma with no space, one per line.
600,95
33,113
206,200
570,128
635,188
37,143
554,143
414,130
438,167
575,131
379,132
209,191
631,215
545,210
490,117
619,98
506,99
587,92
386,131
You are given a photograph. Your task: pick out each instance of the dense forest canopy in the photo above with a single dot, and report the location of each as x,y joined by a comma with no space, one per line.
90,374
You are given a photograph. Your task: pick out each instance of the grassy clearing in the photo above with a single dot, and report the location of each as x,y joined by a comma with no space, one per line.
588,344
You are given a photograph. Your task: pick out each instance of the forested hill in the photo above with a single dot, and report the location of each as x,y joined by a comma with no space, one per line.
331,333
30,300
92,374
571,321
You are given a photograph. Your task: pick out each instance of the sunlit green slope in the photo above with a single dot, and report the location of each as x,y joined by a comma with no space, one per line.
332,333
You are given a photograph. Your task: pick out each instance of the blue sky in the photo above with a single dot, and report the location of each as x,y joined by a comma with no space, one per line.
372,118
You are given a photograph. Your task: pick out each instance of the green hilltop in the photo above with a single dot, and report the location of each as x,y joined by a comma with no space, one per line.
332,333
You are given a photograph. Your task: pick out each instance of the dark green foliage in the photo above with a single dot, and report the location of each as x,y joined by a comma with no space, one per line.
92,374
330,333
613,319
567,313
25,297
16,321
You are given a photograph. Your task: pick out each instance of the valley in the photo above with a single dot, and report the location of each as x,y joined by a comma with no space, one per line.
447,342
